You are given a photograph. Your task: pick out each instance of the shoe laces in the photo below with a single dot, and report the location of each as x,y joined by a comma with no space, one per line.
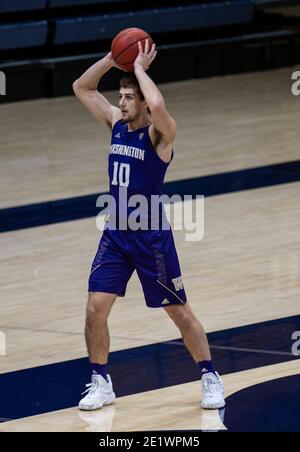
211,385
91,388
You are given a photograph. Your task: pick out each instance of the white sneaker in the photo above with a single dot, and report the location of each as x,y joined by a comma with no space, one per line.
212,392
99,393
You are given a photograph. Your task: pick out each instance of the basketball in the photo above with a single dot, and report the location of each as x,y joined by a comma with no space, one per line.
125,48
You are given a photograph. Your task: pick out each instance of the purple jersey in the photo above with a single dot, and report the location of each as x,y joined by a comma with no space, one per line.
134,166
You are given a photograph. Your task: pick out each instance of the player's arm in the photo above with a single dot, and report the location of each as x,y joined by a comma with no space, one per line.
164,124
86,90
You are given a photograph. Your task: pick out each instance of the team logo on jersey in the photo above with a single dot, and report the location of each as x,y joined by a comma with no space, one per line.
118,135
178,283
141,136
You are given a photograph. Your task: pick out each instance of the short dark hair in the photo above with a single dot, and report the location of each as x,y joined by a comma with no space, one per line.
130,81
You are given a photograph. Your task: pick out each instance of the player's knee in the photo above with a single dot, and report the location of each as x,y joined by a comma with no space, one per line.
96,307
181,315
184,320
90,310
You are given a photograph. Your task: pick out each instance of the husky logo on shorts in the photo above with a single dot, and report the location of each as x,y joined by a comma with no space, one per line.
178,283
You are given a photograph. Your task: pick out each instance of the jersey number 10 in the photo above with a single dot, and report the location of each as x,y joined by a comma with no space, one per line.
121,174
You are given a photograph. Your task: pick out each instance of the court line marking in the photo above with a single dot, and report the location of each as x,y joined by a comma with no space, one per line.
148,339
237,349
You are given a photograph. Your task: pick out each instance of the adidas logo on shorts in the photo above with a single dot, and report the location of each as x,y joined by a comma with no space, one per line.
165,302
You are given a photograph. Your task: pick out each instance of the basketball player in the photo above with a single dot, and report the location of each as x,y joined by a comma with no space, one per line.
142,123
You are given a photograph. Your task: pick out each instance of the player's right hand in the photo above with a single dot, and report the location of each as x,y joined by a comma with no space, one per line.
113,63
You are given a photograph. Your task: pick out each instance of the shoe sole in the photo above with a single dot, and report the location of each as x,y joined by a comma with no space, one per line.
108,402
214,407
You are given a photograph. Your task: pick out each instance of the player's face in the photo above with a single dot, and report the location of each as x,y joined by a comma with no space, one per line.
131,106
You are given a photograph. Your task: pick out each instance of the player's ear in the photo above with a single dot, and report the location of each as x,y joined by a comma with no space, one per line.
146,106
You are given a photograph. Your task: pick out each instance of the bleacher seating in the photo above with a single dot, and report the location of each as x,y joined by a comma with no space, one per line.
23,35
88,28
27,34
61,3
154,21
8,6
276,3
189,17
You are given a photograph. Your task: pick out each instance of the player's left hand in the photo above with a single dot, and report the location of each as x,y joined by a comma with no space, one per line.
145,57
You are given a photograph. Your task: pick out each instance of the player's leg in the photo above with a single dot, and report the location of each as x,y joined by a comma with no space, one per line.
109,276
96,328
196,342
100,391
192,331
159,272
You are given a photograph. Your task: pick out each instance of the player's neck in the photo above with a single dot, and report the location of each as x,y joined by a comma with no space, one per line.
139,123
